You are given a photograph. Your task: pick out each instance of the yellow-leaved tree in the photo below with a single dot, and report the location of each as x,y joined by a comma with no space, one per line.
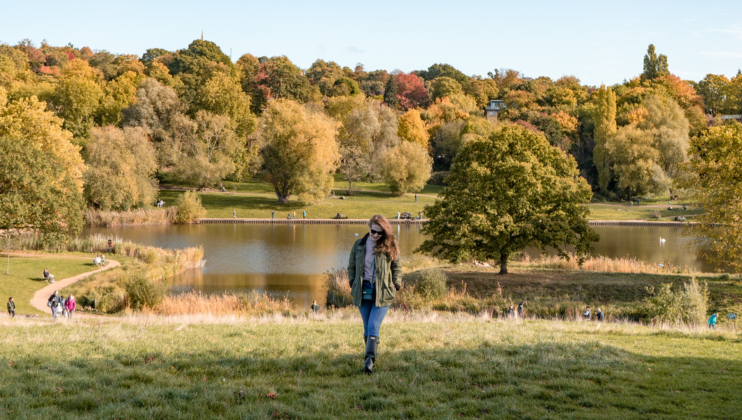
412,128
301,150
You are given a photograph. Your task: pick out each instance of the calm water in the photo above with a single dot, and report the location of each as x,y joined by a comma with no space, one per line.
291,259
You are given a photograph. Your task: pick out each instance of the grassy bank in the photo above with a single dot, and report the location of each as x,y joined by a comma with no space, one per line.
107,289
256,199
448,367
25,276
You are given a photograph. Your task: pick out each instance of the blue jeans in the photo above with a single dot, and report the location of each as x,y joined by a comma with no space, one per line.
54,313
372,316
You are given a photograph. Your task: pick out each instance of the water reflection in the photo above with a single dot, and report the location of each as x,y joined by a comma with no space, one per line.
291,259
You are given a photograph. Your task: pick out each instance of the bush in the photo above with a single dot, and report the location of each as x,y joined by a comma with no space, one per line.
189,208
682,306
142,292
432,284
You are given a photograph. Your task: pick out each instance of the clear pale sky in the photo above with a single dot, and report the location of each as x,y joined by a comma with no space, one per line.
599,42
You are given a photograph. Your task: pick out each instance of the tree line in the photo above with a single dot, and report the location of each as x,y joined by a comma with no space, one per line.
104,124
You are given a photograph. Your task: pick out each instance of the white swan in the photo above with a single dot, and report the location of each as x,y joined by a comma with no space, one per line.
662,240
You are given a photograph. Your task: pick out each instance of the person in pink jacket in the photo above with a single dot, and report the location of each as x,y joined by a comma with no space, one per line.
70,305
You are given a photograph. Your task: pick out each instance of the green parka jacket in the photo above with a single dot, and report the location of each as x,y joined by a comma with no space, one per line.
388,275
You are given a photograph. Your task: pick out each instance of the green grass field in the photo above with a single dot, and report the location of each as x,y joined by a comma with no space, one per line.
449,367
256,199
624,212
362,205
25,277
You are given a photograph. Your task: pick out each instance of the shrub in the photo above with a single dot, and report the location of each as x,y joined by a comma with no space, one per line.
432,284
338,288
142,292
681,306
189,208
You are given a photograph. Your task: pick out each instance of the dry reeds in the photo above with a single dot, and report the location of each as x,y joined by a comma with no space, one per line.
338,288
602,264
109,218
250,304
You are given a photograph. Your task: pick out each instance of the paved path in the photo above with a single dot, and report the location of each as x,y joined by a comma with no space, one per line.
41,296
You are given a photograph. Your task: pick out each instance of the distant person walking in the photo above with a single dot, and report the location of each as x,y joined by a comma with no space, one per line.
234,213
273,214
315,307
304,214
375,276
520,310
600,315
416,198
54,302
712,321
11,307
70,305
511,311
103,260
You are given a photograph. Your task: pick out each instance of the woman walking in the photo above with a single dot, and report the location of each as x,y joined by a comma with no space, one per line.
375,276
70,305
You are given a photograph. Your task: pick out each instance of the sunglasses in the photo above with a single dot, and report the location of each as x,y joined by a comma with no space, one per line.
376,232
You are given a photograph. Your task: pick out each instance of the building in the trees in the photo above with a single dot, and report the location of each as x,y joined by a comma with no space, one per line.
492,111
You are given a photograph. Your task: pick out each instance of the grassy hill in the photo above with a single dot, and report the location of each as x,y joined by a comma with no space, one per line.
430,366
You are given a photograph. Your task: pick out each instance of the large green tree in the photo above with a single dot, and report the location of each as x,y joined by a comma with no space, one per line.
715,180
507,192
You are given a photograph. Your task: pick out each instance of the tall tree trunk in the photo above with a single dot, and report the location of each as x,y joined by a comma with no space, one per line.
503,263
282,198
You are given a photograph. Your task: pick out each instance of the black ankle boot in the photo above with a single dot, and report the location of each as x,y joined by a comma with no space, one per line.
371,346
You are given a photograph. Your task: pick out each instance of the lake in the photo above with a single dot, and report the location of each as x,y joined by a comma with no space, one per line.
290,259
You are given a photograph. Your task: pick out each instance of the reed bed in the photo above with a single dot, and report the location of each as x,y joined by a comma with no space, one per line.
602,264
227,304
107,218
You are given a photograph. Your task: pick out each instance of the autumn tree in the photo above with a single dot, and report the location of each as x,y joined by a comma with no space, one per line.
412,128
481,90
654,66
406,168
118,94
634,160
445,86
300,151
35,194
411,91
715,182
205,147
507,192
669,128
605,127
279,78
76,97
121,168
222,95
39,164
715,90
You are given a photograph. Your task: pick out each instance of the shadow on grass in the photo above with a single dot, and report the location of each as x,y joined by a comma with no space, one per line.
494,380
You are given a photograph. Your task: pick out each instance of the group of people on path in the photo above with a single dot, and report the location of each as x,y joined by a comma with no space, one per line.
61,306
100,260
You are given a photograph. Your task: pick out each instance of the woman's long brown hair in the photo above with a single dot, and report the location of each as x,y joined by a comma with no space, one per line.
388,242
